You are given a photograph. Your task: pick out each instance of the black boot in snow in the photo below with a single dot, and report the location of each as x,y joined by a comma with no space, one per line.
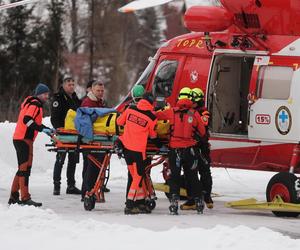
30,202
56,190
174,204
73,190
199,205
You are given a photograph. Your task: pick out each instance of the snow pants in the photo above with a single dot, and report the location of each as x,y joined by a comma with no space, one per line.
182,158
24,150
136,188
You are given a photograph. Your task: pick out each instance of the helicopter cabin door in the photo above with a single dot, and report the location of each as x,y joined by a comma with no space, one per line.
272,106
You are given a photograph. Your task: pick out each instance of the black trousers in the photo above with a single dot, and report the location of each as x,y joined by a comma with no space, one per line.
71,167
90,173
183,159
204,168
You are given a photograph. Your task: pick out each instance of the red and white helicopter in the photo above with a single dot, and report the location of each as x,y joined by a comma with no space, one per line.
245,55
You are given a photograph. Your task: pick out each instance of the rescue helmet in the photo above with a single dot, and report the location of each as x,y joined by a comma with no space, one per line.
185,93
197,94
137,92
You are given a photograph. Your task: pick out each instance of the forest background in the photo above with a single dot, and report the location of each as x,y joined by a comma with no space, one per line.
88,39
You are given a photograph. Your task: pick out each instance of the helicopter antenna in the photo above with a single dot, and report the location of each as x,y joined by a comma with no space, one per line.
15,4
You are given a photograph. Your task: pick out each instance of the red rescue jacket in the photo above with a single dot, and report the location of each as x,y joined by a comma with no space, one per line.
139,124
31,108
185,122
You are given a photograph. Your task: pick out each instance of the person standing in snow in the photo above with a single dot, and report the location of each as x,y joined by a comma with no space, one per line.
94,99
28,125
185,122
65,99
139,122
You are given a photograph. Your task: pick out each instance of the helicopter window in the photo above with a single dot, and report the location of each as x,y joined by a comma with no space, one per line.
164,78
143,79
274,82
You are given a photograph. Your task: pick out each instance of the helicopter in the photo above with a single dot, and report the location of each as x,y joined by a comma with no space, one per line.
245,56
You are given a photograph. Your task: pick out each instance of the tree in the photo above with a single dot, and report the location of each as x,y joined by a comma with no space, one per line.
18,57
53,44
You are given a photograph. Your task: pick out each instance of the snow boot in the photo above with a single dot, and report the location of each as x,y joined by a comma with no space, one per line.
56,190
188,205
208,201
131,207
174,204
141,205
14,198
144,209
131,210
199,205
105,189
73,190
30,202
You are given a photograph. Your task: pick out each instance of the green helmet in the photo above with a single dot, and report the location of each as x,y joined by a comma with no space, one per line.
137,92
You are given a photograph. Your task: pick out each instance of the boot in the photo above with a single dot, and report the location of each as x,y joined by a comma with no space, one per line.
174,204
14,198
208,201
30,202
56,190
131,208
188,205
105,189
144,209
73,190
199,205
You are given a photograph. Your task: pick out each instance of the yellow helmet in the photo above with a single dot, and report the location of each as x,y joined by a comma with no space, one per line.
185,93
197,94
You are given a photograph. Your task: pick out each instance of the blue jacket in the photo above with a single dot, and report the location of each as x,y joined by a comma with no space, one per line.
85,117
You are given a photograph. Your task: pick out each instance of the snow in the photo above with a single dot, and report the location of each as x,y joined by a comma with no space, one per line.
62,223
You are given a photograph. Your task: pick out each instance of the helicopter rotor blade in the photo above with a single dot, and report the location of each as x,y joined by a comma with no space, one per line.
141,4
15,4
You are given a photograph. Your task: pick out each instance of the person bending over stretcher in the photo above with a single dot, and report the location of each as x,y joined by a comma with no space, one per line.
139,122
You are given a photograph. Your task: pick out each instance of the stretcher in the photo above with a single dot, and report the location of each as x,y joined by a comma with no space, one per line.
67,140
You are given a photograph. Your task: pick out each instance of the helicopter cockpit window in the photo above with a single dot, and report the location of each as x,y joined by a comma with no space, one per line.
143,79
274,82
164,78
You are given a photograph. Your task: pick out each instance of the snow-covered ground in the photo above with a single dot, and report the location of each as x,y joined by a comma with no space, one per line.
62,223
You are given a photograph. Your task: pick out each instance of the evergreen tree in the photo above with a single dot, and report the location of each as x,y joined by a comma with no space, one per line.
17,53
53,44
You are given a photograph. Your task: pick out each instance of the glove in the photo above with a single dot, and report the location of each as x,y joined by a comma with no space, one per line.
48,131
157,142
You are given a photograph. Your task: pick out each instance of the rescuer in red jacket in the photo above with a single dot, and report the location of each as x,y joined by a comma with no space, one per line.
185,122
204,159
28,125
139,122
